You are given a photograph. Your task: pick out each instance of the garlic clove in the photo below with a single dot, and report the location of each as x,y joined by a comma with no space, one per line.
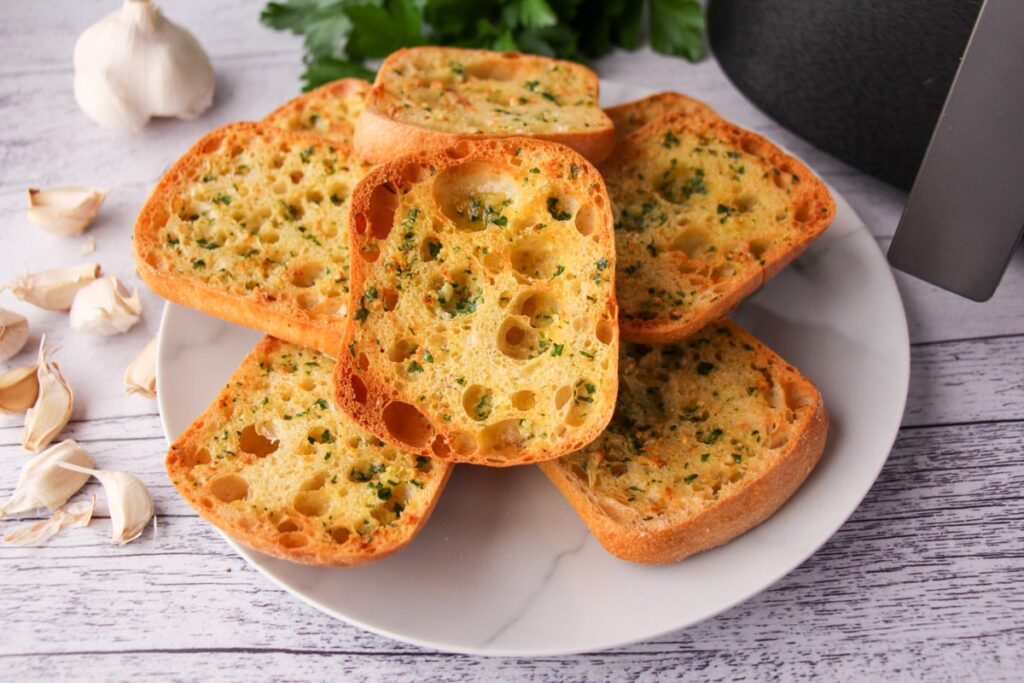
88,246
134,64
64,211
18,389
129,502
72,516
53,289
140,377
104,308
43,484
13,333
52,409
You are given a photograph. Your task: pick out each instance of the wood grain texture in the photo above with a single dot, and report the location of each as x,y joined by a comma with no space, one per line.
924,582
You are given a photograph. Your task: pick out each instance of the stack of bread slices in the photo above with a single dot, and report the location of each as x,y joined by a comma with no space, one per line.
468,261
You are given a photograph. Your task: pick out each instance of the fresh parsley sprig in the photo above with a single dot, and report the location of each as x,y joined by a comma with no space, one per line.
342,35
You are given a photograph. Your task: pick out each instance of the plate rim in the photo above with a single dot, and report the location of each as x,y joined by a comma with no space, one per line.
253,558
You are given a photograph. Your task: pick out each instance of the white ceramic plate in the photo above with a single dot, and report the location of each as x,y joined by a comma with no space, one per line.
505,567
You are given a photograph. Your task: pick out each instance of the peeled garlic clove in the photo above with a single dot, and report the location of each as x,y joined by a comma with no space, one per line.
13,333
54,289
140,377
18,389
128,499
52,408
134,64
43,484
64,211
88,246
103,307
71,516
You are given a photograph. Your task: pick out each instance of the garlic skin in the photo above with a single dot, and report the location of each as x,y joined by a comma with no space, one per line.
44,485
52,409
130,505
53,289
71,516
104,308
135,64
64,211
19,389
140,376
13,334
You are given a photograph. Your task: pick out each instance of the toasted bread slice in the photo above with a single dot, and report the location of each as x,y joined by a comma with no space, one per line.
705,213
483,304
274,466
632,116
330,111
250,226
430,96
710,437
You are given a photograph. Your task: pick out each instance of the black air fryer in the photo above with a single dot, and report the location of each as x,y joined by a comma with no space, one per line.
923,94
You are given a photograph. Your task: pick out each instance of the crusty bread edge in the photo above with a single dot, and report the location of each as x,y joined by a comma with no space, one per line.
368,414
339,89
379,139
810,189
679,102
666,541
313,554
313,332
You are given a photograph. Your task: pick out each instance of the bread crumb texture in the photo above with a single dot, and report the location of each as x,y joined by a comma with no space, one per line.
704,213
483,327
274,465
479,92
330,111
258,215
695,422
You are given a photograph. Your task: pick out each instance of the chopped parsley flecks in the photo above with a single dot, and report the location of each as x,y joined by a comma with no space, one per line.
557,213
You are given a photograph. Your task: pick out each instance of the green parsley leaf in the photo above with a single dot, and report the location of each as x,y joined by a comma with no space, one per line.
677,28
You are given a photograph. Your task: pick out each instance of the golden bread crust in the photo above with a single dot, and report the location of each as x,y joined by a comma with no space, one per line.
330,110
632,116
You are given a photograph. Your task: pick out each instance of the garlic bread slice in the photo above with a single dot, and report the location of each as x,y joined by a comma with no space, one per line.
426,97
705,213
482,323
273,465
710,437
250,226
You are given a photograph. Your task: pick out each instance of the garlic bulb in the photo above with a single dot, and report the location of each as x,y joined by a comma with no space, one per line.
71,516
43,484
128,499
134,64
52,408
54,289
103,307
13,334
18,389
140,377
64,211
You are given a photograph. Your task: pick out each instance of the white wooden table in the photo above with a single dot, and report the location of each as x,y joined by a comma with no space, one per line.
923,582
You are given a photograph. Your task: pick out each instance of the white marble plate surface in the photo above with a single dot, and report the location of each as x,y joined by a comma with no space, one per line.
505,567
